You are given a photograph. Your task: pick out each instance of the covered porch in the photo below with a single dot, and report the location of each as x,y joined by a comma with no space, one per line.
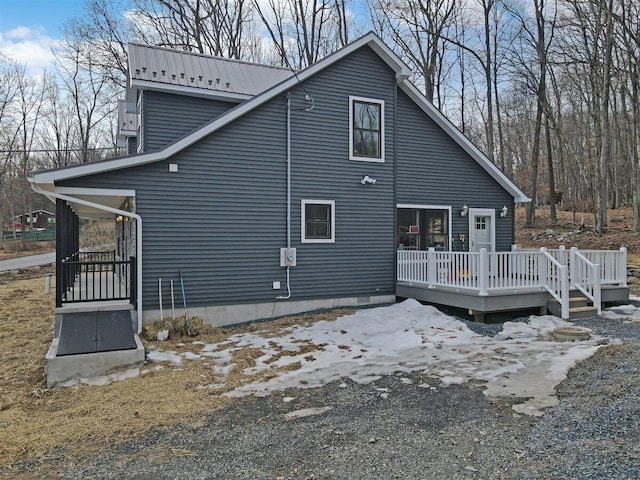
97,310
108,273
569,282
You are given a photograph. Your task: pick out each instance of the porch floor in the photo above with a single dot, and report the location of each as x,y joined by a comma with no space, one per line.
495,301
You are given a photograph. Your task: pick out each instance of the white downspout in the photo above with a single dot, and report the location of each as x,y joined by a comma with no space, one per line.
124,213
288,295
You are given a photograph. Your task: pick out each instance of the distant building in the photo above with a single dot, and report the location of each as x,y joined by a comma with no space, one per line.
36,219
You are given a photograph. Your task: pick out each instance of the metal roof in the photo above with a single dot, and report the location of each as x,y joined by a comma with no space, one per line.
151,64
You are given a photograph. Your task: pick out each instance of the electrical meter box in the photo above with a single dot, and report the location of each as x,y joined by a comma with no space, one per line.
287,257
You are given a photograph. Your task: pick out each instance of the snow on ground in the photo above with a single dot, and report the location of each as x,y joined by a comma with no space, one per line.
627,313
522,362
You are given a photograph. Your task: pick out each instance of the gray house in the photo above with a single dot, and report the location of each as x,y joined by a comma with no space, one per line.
271,192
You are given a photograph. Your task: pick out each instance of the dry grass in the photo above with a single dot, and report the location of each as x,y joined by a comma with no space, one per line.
51,425
15,249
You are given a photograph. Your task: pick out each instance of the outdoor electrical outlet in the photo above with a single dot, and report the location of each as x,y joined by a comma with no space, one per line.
276,285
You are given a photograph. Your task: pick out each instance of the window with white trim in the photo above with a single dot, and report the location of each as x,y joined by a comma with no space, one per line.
318,221
366,129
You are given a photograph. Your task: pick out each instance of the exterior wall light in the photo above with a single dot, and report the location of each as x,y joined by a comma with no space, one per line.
464,211
503,212
367,179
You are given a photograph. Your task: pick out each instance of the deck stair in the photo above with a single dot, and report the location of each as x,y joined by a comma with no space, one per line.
579,307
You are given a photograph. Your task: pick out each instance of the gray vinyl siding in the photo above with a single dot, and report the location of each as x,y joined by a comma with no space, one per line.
432,169
361,262
132,145
221,219
167,117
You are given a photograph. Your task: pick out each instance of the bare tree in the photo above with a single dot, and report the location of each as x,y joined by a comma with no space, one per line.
215,27
418,30
87,85
304,32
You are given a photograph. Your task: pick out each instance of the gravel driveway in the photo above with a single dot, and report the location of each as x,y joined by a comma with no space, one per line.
397,428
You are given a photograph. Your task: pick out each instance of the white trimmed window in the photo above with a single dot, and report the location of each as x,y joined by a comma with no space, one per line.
318,221
366,129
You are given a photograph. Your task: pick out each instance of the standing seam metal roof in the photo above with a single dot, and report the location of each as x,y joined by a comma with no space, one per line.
195,70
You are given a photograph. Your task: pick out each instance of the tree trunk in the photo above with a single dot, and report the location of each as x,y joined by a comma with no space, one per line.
550,171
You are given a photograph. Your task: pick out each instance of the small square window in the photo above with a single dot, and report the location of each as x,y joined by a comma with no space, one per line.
366,129
318,221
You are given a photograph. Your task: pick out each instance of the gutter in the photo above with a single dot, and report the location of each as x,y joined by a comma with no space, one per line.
124,213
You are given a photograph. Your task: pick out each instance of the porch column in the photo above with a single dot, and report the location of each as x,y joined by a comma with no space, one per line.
67,243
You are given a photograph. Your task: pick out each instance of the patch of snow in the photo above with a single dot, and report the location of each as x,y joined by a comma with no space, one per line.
522,361
629,313
114,377
191,356
164,356
306,412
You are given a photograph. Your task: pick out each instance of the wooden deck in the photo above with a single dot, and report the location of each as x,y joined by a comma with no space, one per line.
498,281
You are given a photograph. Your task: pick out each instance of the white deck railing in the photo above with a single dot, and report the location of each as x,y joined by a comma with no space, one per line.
554,278
483,273
585,276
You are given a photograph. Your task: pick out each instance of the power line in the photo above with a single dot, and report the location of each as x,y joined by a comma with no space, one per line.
48,150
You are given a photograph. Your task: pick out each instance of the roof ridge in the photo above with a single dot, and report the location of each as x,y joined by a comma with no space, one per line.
206,56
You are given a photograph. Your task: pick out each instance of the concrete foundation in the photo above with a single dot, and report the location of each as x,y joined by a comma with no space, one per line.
222,315
74,367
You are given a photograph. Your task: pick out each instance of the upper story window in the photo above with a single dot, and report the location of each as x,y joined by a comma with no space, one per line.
318,221
366,129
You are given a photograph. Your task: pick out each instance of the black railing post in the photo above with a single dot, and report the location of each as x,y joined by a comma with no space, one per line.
59,253
133,281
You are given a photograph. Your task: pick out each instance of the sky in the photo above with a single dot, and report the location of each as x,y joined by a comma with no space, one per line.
29,28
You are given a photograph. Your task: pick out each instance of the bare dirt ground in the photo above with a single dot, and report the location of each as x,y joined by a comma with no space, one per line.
577,230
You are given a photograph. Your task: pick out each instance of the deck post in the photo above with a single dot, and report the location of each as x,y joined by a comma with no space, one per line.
623,266
597,291
564,289
431,267
562,255
483,277
573,265
543,275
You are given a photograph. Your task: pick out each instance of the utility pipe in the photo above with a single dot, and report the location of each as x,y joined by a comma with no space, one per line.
117,211
288,295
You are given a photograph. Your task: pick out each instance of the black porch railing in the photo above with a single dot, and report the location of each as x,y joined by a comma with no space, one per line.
95,276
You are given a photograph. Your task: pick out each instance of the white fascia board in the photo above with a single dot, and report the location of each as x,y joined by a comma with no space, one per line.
402,70
190,91
466,144
108,192
370,39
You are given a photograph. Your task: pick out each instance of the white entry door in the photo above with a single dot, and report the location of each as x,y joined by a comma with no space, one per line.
482,230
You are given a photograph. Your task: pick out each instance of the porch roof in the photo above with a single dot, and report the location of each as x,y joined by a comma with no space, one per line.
111,198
